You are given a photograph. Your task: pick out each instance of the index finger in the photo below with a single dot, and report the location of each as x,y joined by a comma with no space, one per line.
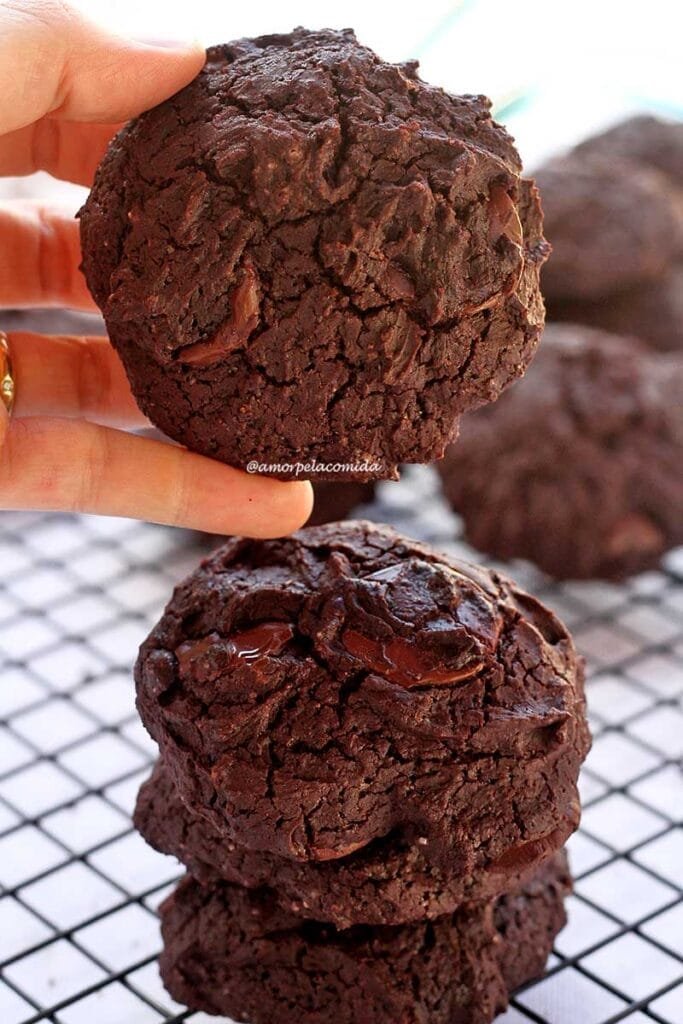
72,465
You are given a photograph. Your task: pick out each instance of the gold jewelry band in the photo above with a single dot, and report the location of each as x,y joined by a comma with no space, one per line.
7,386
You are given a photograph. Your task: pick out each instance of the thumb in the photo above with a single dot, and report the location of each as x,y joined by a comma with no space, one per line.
55,62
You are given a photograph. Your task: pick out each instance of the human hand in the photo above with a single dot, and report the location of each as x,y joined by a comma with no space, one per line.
65,87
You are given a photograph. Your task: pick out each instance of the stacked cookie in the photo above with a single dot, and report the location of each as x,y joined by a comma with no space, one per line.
368,764
368,752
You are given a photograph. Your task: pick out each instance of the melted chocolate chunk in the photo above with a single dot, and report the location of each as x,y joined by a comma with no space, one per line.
234,332
399,661
267,638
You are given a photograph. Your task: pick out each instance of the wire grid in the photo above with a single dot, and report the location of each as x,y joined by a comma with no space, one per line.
78,932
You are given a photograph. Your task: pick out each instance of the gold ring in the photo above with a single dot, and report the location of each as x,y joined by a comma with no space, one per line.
7,386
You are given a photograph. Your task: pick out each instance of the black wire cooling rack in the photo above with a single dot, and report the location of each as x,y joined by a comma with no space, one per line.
78,931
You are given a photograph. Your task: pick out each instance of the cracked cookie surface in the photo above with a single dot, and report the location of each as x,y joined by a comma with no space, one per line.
389,881
346,686
235,952
577,468
309,253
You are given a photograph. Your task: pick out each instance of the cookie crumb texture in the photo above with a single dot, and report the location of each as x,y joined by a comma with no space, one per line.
597,492
348,696
234,952
308,253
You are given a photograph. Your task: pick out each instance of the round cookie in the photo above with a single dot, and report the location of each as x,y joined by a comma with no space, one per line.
652,312
612,224
233,951
320,693
577,468
310,255
390,881
644,139
335,499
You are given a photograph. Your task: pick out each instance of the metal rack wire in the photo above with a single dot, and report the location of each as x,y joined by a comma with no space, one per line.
78,933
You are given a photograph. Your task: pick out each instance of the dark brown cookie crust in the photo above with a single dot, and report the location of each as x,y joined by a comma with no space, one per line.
612,225
391,692
235,952
311,254
577,468
390,881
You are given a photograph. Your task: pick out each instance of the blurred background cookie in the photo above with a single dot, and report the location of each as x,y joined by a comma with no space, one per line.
614,216
652,312
651,141
612,224
578,467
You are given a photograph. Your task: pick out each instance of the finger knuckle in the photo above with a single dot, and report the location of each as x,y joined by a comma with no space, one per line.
84,487
92,376
180,498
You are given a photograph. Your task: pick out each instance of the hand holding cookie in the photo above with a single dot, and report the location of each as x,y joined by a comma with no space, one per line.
65,87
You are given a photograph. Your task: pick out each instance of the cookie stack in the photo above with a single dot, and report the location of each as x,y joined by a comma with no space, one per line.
368,764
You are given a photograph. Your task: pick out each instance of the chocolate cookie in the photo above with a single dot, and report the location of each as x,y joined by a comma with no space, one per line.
345,686
236,952
612,225
389,881
652,312
578,467
644,139
335,499
309,254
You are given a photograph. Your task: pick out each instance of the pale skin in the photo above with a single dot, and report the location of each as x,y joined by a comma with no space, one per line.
65,87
